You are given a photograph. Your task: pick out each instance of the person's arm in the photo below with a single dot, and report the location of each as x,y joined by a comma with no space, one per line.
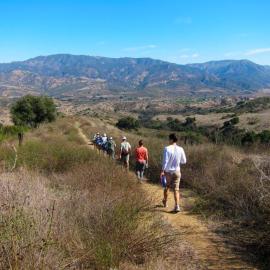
165,161
129,148
120,155
183,157
147,156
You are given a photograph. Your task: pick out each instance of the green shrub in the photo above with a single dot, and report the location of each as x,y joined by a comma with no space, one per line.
128,123
57,155
10,131
264,137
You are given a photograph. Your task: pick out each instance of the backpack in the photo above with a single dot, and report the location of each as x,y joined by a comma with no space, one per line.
110,145
125,149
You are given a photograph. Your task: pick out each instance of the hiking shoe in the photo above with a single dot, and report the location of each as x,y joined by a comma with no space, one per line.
164,203
177,209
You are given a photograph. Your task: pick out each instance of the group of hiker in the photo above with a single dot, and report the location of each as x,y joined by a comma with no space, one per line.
108,146
173,157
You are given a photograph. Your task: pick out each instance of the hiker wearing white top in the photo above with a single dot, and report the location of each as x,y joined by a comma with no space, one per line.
125,150
173,157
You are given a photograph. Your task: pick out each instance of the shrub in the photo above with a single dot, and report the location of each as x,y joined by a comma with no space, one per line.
128,123
57,155
10,131
249,138
234,120
264,137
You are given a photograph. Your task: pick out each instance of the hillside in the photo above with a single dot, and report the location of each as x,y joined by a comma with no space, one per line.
234,74
79,75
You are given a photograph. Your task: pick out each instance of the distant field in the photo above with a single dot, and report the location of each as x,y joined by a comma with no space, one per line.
4,116
251,121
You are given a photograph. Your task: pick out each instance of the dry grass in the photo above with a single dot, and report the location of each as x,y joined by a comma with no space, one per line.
231,185
67,208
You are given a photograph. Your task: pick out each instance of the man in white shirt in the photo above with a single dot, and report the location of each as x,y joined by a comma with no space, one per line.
173,157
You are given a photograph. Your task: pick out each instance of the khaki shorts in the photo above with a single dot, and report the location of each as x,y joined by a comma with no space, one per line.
125,158
173,180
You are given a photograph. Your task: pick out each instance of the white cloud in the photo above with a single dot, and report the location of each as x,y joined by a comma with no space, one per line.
258,51
195,55
140,48
183,20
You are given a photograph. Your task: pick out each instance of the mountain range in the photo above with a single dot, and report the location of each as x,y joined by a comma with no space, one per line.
80,75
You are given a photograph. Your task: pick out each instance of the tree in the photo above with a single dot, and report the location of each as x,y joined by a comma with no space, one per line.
32,110
190,123
128,123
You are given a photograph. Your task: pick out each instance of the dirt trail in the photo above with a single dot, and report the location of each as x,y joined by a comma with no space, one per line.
209,247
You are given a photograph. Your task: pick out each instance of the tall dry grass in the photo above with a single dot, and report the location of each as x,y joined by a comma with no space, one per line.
234,186
64,207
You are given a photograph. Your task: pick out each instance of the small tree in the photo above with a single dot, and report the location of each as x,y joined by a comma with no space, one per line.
128,123
32,110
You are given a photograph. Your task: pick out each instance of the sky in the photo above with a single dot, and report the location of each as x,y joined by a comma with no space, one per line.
179,31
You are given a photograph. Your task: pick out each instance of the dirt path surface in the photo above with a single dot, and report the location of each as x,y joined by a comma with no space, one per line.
210,248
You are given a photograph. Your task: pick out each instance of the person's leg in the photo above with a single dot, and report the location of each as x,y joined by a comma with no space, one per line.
176,185
142,170
127,162
141,174
166,189
177,197
138,170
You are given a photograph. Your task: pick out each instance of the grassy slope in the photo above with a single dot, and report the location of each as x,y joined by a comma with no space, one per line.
64,207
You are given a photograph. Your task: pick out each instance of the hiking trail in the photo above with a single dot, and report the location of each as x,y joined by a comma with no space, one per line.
210,248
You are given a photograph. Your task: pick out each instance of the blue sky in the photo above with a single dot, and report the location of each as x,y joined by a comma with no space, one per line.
182,31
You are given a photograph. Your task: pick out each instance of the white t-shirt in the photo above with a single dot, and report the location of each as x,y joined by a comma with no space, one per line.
125,146
173,157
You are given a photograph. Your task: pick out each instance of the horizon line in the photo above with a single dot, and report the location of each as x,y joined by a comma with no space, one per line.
127,57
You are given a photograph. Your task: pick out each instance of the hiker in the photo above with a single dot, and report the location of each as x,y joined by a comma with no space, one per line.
125,150
111,148
173,157
141,154
98,141
104,142
94,139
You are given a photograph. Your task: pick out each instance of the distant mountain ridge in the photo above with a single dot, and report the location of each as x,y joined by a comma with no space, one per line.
65,74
